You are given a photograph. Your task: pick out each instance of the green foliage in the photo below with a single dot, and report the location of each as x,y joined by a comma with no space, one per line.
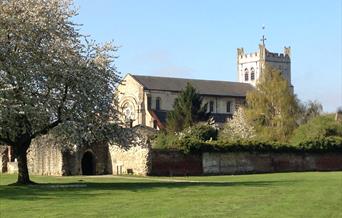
187,110
186,139
189,144
328,144
316,129
272,108
165,140
201,132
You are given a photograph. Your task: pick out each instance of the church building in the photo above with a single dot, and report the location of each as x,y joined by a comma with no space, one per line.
146,100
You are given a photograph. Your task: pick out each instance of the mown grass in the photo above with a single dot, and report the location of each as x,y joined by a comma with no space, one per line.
314,194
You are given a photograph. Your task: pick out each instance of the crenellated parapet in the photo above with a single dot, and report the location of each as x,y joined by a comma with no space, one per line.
279,57
250,65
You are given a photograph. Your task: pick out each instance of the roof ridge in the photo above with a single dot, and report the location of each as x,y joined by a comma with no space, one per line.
167,77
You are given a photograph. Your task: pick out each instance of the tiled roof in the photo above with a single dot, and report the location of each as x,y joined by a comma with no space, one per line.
204,87
162,116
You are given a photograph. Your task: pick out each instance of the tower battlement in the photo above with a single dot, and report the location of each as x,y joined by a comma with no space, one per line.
250,65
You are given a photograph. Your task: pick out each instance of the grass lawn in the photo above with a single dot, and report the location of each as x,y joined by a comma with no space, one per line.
313,194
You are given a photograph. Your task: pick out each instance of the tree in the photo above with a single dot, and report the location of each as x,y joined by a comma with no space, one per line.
238,127
310,110
317,128
187,110
52,79
272,108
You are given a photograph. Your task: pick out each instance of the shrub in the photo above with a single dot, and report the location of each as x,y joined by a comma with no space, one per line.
193,145
200,132
237,128
164,140
316,129
331,143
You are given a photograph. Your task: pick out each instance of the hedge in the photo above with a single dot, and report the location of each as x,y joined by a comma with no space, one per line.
191,145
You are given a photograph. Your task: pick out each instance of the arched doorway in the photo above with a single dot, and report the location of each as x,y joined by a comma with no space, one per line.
88,163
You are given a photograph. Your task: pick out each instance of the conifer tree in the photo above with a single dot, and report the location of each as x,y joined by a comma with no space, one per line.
187,110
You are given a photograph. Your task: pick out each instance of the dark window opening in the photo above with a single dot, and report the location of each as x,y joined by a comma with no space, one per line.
246,74
149,102
211,106
158,104
155,124
228,106
252,74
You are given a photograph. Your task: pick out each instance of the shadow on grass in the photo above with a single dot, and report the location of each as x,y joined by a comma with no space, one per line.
88,189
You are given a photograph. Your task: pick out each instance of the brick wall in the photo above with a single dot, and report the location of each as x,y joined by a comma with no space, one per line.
173,163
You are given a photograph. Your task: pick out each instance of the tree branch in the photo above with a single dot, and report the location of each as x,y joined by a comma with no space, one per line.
46,129
59,120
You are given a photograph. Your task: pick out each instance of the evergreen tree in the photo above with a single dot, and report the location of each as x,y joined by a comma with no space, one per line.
187,110
272,108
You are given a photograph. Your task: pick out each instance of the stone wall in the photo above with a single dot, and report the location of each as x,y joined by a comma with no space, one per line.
133,159
3,158
48,158
173,163
132,155
243,162
44,158
12,167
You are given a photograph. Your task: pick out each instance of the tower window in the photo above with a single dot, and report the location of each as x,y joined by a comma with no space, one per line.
252,73
211,106
228,106
158,104
246,74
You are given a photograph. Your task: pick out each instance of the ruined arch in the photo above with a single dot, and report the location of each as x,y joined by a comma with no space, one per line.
88,163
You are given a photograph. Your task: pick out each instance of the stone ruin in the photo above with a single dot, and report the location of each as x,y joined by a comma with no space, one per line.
130,154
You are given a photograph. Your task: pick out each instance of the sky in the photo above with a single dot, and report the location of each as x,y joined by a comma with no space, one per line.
198,39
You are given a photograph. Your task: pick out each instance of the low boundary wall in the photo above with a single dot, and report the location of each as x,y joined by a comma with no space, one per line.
173,163
244,162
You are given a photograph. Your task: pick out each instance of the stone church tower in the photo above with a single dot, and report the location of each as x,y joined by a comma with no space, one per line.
250,66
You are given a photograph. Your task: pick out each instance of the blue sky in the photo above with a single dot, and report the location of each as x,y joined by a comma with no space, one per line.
198,39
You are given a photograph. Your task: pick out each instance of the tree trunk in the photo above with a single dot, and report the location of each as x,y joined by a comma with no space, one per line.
23,174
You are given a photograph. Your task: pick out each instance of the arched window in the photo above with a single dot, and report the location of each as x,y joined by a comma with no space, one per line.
128,111
252,73
158,104
246,74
